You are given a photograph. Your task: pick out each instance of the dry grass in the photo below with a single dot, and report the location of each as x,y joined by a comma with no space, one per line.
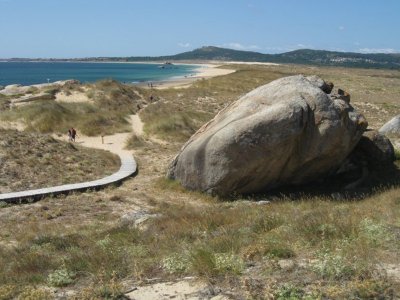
112,103
374,93
293,247
167,121
31,161
334,242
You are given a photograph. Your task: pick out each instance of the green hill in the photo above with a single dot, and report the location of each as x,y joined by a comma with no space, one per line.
302,56
348,59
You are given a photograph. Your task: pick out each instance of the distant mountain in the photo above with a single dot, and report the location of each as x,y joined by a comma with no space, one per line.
303,56
223,54
348,59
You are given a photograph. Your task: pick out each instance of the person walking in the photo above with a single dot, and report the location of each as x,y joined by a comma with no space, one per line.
70,134
73,134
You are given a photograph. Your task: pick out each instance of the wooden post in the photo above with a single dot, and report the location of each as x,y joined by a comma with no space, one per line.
102,139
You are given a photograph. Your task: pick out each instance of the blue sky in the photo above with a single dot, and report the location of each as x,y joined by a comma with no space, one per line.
82,28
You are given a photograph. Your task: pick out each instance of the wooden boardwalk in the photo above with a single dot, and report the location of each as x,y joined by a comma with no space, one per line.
127,169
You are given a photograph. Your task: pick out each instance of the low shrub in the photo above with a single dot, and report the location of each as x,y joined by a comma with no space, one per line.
61,277
176,263
135,141
289,292
333,265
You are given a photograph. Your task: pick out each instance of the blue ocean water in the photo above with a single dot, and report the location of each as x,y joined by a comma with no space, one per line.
28,73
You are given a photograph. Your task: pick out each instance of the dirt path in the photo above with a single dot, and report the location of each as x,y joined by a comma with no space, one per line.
114,143
137,124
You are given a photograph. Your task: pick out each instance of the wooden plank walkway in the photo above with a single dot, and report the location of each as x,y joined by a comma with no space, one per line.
127,169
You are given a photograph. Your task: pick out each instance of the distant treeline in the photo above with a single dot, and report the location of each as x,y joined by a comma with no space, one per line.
303,56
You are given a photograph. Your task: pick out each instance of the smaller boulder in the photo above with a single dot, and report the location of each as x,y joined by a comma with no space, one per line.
375,148
373,152
393,126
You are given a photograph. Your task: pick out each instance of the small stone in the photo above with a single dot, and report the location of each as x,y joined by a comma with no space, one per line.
263,202
286,264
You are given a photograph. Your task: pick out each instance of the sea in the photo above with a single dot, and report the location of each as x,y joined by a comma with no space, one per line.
29,73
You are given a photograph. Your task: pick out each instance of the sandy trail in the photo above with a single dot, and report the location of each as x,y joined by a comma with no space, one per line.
137,124
114,143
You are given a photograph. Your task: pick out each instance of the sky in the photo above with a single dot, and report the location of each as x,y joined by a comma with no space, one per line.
91,28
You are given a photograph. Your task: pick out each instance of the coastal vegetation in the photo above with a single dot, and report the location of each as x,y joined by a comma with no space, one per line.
285,244
31,160
109,103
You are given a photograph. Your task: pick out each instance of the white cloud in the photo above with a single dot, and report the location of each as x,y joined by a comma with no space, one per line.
378,50
300,46
184,45
239,46
341,28
303,46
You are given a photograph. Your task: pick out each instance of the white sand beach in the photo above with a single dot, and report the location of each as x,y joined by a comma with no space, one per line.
206,70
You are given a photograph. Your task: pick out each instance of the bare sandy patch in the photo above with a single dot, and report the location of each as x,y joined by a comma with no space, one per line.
137,124
185,289
73,96
114,143
12,125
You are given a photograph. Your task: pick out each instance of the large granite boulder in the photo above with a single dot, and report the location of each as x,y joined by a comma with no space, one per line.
289,131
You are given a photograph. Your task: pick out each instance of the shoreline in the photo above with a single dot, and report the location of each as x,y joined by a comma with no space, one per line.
202,71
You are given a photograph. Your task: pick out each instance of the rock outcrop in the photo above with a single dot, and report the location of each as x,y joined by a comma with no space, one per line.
290,131
18,89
